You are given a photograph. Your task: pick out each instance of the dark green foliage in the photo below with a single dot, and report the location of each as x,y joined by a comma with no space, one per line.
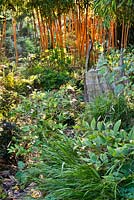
111,9
9,46
110,108
23,87
51,79
8,135
27,46
51,71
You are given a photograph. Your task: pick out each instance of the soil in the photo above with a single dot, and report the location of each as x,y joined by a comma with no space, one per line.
9,187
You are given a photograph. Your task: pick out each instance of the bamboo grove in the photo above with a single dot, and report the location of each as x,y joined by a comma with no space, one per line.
72,24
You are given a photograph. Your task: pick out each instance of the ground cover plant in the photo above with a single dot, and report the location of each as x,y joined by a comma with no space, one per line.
91,167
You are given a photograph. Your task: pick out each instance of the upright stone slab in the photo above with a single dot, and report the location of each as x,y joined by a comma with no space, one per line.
95,84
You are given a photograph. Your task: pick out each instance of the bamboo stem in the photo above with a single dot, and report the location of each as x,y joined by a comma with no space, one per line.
115,32
60,31
101,32
45,33
64,43
122,37
112,31
3,36
86,22
40,28
82,37
34,25
15,39
127,34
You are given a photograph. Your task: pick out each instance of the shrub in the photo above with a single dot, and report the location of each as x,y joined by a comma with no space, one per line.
51,79
51,70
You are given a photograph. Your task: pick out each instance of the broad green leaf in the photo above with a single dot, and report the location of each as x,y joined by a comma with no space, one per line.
99,126
21,165
104,158
118,89
110,150
93,124
117,126
85,124
93,157
26,128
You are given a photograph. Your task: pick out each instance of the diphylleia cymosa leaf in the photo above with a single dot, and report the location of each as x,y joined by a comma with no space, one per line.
93,124
117,126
